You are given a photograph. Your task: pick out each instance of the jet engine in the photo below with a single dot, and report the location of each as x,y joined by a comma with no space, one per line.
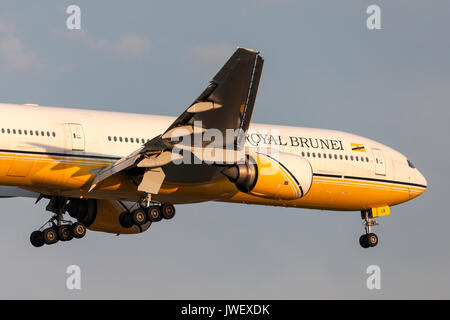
285,177
101,215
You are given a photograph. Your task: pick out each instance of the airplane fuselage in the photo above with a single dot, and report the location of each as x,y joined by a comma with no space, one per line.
55,151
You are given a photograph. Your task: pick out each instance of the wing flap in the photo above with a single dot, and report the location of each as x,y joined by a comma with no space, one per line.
120,165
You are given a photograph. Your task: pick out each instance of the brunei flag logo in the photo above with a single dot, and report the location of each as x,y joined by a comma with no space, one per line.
358,147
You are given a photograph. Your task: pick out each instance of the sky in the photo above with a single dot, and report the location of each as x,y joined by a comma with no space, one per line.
323,68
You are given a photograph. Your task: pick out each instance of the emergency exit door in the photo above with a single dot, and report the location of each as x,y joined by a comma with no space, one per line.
380,165
77,136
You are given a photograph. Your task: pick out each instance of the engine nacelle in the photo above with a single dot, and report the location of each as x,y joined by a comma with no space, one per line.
288,177
101,215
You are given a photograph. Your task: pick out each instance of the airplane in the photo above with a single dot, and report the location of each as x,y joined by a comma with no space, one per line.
121,172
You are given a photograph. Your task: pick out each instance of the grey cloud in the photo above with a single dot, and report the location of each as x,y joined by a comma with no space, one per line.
15,55
128,45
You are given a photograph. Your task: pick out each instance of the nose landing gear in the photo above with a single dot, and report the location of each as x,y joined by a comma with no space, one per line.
369,239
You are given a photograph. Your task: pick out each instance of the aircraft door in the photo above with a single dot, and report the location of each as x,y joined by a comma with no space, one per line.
77,136
380,164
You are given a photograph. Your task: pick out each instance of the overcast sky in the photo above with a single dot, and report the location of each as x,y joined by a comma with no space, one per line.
323,68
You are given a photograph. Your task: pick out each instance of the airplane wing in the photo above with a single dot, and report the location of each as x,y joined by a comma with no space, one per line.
226,103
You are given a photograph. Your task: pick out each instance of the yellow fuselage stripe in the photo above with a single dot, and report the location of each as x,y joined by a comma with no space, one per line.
70,175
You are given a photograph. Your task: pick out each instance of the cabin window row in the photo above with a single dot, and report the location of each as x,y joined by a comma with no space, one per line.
126,139
29,132
335,156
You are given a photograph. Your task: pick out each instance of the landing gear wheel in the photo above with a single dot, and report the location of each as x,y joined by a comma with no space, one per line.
167,210
65,233
154,214
37,239
50,235
363,241
368,240
79,230
139,216
372,239
125,219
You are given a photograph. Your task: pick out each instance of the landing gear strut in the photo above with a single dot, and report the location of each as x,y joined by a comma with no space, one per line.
57,229
151,213
369,239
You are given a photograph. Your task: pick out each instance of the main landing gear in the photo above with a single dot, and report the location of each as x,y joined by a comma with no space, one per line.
142,215
56,229
369,239
55,233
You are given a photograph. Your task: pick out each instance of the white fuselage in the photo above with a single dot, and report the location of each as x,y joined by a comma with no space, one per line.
108,136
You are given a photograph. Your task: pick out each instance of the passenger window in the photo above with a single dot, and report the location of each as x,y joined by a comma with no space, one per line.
340,156
53,134
303,153
143,141
20,131
120,139
109,138
25,132
319,155
351,158
31,132
14,131
43,134
335,156
3,130
48,134
307,154
126,139
115,139
346,157
131,140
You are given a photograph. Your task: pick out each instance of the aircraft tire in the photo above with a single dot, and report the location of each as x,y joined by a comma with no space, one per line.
50,235
37,239
125,219
154,214
139,216
167,210
79,230
65,233
363,241
372,239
